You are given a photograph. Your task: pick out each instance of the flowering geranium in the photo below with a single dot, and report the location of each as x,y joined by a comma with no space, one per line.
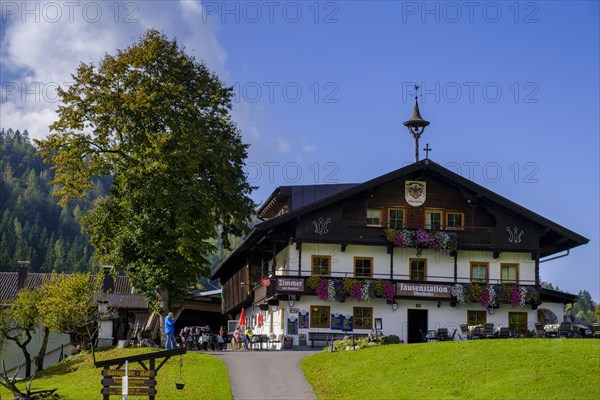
422,239
366,291
518,296
330,290
458,291
340,295
322,290
492,295
389,291
484,299
523,291
357,292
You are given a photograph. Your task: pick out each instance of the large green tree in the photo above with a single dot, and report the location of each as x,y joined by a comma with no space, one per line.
158,122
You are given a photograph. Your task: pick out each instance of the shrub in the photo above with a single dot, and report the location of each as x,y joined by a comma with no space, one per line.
391,339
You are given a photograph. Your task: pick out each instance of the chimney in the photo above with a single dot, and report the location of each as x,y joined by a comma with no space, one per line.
22,275
108,284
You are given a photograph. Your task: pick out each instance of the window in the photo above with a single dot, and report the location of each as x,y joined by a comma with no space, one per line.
418,269
517,322
455,220
479,271
373,217
396,218
476,317
433,219
362,318
319,316
363,267
509,273
321,265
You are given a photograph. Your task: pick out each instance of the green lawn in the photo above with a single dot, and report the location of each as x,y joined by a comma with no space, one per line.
477,369
205,377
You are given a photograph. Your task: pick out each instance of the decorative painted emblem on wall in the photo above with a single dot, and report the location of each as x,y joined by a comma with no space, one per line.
321,226
415,192
514,235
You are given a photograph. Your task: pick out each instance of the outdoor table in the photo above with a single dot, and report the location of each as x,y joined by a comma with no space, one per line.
259,339
431,336
551,330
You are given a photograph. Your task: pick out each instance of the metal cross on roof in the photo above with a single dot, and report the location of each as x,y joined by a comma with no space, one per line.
427,149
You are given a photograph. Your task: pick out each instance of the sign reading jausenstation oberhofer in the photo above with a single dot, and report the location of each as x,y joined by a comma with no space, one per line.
424,290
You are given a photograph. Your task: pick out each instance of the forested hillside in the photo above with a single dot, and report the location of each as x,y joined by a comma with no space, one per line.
33,227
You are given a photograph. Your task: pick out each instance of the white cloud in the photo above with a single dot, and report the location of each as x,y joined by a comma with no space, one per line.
284,145
37,56
309,148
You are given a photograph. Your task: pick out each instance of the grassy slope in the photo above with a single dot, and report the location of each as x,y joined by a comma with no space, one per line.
478,369
205,377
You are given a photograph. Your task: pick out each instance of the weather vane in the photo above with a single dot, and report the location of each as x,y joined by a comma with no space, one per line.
416,125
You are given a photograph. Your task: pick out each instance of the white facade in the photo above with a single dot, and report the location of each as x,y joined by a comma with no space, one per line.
440,313
12,355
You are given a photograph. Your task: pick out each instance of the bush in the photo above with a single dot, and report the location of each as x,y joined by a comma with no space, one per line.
391,339
346,344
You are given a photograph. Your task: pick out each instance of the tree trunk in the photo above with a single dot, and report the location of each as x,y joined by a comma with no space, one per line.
23,347
163,302
9,383
39,359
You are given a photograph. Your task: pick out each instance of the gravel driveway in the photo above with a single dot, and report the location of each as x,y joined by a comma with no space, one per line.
266,375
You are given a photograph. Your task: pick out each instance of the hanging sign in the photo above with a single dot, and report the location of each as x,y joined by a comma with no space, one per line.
290,284
415,192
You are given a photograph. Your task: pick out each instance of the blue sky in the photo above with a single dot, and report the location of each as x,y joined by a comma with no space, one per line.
511,89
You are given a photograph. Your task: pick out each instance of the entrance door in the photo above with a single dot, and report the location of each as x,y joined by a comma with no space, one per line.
417,325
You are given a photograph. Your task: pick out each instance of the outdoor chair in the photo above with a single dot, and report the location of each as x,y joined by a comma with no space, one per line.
565,330
488,331
442,334
539,330
596,330
275,340
477,333
464,330
504,333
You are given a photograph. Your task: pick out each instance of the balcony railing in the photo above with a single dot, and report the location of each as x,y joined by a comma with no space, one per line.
342,286
466,236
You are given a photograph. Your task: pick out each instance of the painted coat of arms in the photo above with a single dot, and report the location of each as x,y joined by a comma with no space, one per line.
415,192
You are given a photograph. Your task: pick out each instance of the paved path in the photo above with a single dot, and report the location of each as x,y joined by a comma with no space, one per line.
267,375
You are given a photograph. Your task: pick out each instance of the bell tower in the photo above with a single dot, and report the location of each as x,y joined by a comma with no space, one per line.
416,124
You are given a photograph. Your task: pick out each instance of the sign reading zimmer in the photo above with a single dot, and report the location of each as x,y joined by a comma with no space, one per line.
290,284
424,290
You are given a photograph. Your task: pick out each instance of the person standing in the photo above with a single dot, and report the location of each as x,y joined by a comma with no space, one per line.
170,332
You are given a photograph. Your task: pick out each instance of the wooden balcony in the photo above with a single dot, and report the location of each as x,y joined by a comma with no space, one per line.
435,288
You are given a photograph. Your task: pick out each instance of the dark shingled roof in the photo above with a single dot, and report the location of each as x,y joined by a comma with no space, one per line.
123,295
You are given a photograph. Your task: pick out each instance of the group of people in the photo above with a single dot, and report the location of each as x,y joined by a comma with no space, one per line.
194,338
241,337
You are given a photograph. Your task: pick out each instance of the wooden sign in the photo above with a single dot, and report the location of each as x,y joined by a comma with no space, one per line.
132,382
132,391
424,290
136,373
290,284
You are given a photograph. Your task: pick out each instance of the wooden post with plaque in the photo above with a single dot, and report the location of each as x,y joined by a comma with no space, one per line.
141,382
